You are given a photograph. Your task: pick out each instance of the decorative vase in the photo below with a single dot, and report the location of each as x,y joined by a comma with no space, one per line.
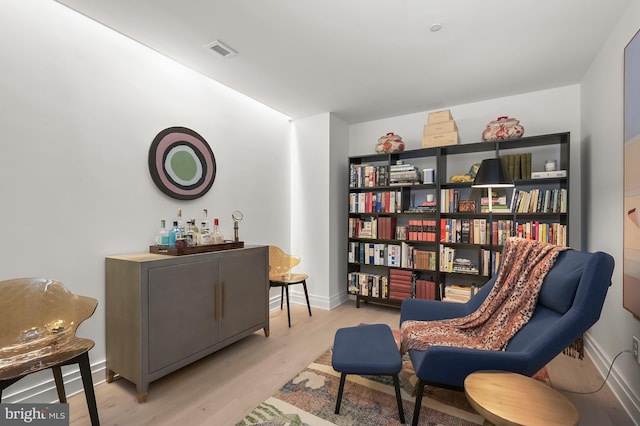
503,128
390,143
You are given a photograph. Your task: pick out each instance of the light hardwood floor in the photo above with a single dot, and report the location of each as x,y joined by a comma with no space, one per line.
223,387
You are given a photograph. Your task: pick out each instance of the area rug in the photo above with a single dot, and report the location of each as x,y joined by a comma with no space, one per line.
310,399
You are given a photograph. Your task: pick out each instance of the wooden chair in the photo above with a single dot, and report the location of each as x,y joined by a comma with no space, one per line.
280,265
38,331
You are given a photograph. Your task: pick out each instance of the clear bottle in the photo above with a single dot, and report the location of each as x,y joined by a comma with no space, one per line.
217,237
162,237
205,234
193,233
181,224
174,234
205,222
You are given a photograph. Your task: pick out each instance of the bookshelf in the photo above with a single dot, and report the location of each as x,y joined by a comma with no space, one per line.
436,240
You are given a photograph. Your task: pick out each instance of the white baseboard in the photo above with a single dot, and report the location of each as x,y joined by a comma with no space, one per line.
297,297
45,390
629,401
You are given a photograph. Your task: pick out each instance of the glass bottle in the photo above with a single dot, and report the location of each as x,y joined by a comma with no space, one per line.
205,234
174,234
181,224
193,233
162,237
217,236
205,222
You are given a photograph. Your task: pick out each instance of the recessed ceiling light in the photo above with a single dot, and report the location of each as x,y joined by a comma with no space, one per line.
435,27
221,49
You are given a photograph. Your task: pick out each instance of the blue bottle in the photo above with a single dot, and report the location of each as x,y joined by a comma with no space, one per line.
174,234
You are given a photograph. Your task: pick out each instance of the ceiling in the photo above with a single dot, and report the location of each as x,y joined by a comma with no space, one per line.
370,59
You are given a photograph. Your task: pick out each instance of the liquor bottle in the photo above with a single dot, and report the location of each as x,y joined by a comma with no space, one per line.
193,233
181,224
174,234
217,236
205,234
162,237
205,222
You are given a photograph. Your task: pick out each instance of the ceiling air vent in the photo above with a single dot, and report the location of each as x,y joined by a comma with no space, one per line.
221,49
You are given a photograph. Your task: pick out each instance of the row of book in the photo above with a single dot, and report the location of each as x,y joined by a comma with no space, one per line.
540,201
422,230
489,262
456,230
375,202
383,228
449,200
475,231
450,263
368,284
368,176
363,227
425,289
554,233
400,285
457,293
393,255
468,231
533,201
519,165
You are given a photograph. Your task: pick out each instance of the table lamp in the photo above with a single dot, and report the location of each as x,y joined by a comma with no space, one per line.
492,173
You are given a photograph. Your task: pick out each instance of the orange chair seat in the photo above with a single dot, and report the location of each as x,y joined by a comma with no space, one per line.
280,264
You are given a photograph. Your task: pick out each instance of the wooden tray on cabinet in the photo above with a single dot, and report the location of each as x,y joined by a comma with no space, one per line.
179,251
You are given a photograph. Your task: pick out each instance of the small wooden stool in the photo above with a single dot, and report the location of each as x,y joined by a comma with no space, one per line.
367,349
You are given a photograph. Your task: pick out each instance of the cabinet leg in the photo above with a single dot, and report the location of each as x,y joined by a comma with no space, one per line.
266,331
110,376
142,393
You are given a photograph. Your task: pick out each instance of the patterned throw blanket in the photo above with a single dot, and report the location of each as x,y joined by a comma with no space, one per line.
507,308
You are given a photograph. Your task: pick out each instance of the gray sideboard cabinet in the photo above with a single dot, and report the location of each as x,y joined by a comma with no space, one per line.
164,312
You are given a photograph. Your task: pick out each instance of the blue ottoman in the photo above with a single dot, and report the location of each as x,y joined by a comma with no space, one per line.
367,349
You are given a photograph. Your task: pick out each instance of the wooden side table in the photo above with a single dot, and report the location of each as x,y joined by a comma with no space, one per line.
504,398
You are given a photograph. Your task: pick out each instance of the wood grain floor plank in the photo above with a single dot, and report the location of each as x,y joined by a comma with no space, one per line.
223,387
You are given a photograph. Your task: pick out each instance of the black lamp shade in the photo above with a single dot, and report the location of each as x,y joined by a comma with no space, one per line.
492,173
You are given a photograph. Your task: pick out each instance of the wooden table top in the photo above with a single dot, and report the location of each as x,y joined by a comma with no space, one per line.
505,398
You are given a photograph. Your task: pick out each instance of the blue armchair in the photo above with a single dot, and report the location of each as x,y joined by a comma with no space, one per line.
569,303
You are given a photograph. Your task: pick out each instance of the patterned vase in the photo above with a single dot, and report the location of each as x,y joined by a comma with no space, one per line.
390,143
503,128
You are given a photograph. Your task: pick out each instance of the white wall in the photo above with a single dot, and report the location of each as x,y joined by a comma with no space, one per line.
338,210
309,198
602,157
80,105
543,112
318,207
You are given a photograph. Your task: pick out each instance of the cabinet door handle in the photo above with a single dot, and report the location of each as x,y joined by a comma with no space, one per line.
215,303
223,298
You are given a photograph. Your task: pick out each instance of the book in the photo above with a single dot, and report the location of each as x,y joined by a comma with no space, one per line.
552,174
467,206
